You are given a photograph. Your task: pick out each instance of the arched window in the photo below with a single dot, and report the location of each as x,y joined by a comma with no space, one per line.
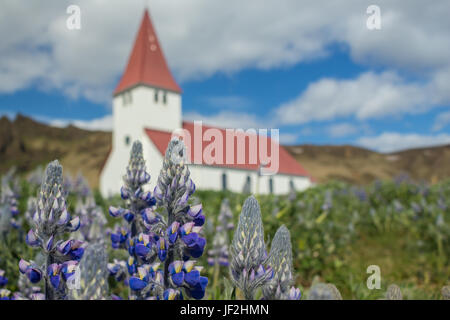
156,96
165,97
270,185
127,140
224,181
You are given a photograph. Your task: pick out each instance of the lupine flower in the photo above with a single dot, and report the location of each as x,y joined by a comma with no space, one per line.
328,203
138,201
93,284
3,279
117,269
248,266
336,292
81,187
31,270
51,221
394,293
323,291
445,292
4,294
169,239
280,259
139,216
92,220
119,237
27,290
218,255
8,207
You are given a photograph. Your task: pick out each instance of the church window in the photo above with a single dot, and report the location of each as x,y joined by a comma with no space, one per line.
156,96
126,98
224,181
127,140
165,97
270,185
291,185
248,185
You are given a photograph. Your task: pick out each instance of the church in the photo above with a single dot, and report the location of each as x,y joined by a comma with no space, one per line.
147,107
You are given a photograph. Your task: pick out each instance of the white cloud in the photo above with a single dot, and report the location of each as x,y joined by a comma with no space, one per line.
202,37
392,141
442,120
288,138
342,130
370,95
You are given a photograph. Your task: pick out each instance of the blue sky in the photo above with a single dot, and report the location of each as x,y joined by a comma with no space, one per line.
320,76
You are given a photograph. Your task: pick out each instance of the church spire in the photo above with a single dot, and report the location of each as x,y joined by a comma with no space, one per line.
146,64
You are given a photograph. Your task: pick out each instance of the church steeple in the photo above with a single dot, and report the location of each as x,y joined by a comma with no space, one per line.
146,64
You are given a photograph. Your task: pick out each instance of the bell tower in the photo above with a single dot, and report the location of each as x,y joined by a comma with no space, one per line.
147,95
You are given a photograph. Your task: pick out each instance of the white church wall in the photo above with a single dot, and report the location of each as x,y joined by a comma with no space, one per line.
143,112
154,160
114,169
111,176
129,120
210,178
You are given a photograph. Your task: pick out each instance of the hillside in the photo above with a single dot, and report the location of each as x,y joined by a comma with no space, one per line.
361,166
26,144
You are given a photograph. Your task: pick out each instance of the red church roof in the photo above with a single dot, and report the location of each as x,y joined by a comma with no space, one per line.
146,64
287,164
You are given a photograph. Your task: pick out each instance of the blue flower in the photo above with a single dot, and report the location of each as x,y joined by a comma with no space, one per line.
33,273
116,269
198,290
68,269
116,212
141,281
3,279
32,240
131,265
128,216
4,294
148,198
162,249
124,193
53,272
119,238
171,294
176,273
295,294
172,232
149,216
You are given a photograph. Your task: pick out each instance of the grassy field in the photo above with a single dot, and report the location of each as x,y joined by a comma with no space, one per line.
337,231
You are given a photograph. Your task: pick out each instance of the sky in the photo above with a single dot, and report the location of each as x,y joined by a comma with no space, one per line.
312,69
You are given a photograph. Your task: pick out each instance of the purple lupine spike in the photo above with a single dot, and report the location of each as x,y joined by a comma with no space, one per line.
248,250
166,234
51,221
